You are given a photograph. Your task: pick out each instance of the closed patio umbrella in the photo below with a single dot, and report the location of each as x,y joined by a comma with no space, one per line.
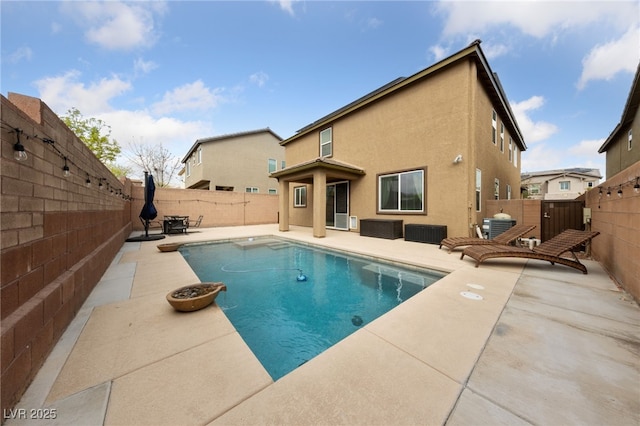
148,211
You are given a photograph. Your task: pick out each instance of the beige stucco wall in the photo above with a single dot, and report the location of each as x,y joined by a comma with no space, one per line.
218,208
425,125
239,162
618,156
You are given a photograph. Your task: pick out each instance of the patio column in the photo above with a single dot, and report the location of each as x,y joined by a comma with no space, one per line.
319,203
283,205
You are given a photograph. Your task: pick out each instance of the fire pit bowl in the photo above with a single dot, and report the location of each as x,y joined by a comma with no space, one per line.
196,296
168,247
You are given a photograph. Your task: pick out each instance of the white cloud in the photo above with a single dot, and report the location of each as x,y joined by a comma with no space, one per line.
259,79
191,96
115,25
22,53
537,19
286,5
139,126
544,156
604,61
67,91
438,52
140,66
372,23
533,131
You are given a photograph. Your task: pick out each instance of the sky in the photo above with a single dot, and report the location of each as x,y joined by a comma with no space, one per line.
172,72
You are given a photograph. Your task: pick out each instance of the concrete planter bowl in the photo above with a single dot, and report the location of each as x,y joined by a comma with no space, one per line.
194,297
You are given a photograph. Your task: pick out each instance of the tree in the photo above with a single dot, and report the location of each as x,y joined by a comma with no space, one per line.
157,160
96,134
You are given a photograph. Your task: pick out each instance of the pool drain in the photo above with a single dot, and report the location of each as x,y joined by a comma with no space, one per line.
471,295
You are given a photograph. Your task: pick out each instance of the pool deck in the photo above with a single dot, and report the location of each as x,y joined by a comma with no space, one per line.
545,345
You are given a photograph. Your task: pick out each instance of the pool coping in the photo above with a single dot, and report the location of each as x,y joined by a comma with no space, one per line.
414,364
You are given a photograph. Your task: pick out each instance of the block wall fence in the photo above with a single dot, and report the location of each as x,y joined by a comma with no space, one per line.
59,235
617,218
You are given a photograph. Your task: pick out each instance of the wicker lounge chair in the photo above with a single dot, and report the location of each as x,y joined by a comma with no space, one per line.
551,250
505,238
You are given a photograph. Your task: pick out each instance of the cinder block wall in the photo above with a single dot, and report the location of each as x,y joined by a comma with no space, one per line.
59,235
218,208
617,247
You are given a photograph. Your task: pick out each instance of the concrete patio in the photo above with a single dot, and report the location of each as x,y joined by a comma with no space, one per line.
545,345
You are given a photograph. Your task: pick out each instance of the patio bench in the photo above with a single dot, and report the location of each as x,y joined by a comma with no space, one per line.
381,228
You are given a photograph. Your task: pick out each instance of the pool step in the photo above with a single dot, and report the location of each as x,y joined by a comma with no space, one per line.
261,242
407,277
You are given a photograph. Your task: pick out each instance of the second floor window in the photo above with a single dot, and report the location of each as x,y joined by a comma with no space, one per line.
494,127
326,142
565,185
534,189
272,165
630,140
199,159
501,137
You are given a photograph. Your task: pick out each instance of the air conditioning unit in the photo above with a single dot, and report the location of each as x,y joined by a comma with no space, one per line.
491,228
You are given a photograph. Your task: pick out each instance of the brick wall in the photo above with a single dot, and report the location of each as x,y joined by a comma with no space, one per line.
59,235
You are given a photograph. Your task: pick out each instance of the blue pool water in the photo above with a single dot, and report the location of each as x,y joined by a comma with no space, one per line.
290,302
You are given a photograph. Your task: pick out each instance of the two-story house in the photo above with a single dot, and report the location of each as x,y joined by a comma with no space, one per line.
239,162
564,184
426,149
621,150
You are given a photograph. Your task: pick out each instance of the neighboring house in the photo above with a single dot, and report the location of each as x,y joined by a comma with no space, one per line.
239,162
426,149
565,184
622,151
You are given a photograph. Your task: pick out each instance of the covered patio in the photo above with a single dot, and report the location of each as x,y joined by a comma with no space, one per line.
318,173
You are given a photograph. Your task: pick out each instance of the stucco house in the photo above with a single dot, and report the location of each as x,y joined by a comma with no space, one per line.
621,150
239,162
562,184
427,149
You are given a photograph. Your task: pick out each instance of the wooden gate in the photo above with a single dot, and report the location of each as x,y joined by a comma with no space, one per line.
560,215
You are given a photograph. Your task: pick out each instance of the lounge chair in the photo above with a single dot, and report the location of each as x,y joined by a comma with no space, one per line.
195,224
507,237
551,250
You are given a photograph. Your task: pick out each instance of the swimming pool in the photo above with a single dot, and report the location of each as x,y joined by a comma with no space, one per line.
290,301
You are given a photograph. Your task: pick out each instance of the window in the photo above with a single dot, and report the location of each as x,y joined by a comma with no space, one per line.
478,189
199,159
273,191
515,155
283,164
187,166
630,140
251,189
496,189
565,185
272,165
510,149
494,126
326,138
534,189
508,192
401,192
501,137
300,196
